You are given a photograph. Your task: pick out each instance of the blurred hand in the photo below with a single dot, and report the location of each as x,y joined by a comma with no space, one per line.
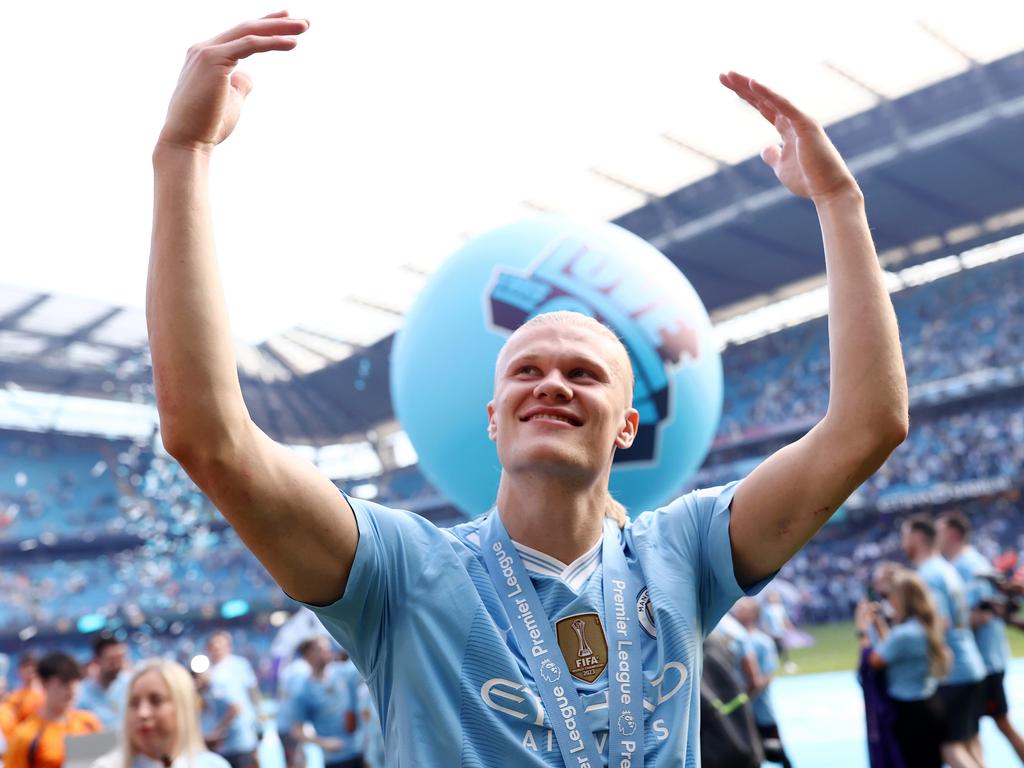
208,99
806,162
332,744
865,614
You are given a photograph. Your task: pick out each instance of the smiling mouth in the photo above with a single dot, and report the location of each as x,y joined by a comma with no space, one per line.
554,418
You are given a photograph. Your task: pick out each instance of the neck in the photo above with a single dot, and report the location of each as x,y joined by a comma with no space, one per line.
546,514
955,551
106,678
51,713
920,557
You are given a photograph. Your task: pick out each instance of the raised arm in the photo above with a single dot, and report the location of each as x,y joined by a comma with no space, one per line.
794,492
291,516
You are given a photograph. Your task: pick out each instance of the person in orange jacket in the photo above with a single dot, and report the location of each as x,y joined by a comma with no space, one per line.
38,741
27,698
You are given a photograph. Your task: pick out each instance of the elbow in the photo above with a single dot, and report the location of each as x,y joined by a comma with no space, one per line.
201,452
893,430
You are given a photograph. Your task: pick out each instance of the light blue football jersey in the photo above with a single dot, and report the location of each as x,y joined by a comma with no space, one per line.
330,704
768,661
106,703
905,651
233,678
950,595
990,636
423,623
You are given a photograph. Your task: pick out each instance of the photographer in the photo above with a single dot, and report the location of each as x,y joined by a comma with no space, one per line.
915,658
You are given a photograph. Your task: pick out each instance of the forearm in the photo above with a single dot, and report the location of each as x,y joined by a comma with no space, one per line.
194,368
868,390
222,727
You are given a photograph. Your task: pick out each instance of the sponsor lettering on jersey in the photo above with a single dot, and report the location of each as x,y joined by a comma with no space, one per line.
522,703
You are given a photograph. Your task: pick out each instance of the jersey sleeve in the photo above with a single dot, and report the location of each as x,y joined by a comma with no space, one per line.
249,675
694,532
894,647
393,548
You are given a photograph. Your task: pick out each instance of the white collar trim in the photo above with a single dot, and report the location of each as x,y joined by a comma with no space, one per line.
575,574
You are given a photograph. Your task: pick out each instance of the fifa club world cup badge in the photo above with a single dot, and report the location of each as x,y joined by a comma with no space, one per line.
581,638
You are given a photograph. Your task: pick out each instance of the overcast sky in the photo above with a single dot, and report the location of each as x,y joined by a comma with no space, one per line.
392,130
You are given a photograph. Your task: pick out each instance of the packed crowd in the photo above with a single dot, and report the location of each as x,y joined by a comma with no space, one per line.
213,714
982,441
962,324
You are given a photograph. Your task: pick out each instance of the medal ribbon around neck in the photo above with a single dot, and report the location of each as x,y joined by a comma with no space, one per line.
539,645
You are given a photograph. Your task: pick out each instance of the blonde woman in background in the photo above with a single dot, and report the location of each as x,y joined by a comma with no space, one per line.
161,722
914,654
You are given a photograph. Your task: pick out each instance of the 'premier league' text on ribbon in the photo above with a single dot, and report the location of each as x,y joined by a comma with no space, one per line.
574,745
525,615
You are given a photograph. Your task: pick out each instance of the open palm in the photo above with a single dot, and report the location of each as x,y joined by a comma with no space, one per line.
806,162
208,99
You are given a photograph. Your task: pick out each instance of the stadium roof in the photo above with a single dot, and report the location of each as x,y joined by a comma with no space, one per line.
935,148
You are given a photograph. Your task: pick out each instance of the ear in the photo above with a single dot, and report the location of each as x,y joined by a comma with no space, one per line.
627,432
492,425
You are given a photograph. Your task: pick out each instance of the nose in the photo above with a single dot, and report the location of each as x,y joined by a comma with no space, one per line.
553,387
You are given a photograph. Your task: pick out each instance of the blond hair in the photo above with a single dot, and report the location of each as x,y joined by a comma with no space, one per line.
577,319
918,603
185,699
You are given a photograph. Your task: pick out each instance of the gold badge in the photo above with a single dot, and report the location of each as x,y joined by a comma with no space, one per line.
581,638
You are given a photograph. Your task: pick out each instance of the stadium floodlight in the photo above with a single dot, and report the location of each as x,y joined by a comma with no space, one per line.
232,609
91,622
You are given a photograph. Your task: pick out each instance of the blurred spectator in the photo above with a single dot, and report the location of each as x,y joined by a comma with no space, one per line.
766,658
915,656
962,690
233,677
216,712
25,700
325,706
104,694
988,608
161,725
38,741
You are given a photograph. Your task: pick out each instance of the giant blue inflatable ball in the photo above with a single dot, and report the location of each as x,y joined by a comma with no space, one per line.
442,361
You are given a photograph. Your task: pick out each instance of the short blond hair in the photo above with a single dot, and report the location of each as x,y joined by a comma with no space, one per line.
185,699
579,320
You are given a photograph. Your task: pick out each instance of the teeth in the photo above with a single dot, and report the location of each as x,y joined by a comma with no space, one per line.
551,417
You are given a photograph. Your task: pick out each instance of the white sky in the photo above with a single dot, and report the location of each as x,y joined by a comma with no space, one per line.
396,128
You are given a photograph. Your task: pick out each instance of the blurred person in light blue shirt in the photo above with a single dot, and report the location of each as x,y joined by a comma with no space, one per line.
291,680
233,678
914,655
325,707
104,695
765,665
988,608
962,691
216,712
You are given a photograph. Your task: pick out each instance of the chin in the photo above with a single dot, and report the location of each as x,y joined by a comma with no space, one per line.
549,460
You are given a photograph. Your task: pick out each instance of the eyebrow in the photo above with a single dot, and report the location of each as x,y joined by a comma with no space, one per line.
575,361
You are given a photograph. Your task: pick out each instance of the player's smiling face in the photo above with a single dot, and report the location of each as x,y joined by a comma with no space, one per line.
561,400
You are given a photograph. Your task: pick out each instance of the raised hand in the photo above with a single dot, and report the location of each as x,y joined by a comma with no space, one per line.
806,162
208,99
